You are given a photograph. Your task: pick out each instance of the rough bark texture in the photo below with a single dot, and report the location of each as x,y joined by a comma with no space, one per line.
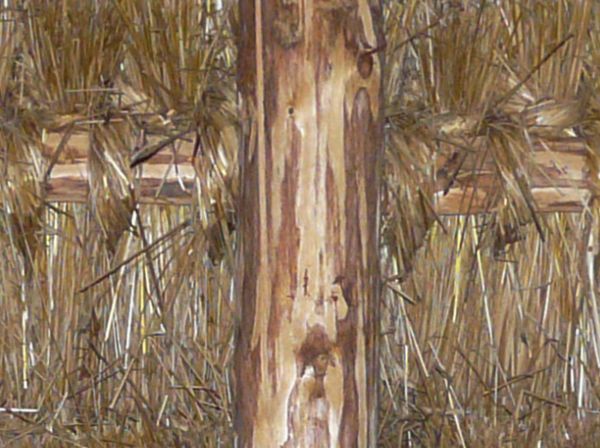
306,362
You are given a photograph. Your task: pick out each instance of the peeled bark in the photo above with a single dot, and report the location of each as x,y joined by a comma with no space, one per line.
306,361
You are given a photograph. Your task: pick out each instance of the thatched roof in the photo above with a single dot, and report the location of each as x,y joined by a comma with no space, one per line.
115,317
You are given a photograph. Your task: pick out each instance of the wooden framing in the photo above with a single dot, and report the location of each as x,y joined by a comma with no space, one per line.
559,171
306,361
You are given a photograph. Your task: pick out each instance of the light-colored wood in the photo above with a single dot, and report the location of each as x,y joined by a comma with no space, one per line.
306,362
166,178
559,172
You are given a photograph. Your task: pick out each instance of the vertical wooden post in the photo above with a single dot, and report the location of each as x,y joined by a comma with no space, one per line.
306,362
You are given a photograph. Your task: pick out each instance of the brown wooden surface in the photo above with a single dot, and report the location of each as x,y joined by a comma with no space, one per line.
306,364
558,170
166,178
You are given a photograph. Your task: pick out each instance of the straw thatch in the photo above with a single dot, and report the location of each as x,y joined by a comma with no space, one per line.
116,317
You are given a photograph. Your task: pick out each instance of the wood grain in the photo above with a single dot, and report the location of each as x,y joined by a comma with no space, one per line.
306,364
559,172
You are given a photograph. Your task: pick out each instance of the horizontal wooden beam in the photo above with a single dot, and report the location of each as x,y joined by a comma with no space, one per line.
557,174
166,178
558,177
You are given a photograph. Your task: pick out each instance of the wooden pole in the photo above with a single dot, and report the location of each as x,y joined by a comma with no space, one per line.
306,358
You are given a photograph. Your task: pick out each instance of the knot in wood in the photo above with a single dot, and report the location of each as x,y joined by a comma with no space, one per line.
365,65
315,351
287,25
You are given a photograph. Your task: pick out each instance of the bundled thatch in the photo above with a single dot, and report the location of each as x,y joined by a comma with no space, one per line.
115,317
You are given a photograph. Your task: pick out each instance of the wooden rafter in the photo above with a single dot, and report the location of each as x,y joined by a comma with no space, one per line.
560,178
